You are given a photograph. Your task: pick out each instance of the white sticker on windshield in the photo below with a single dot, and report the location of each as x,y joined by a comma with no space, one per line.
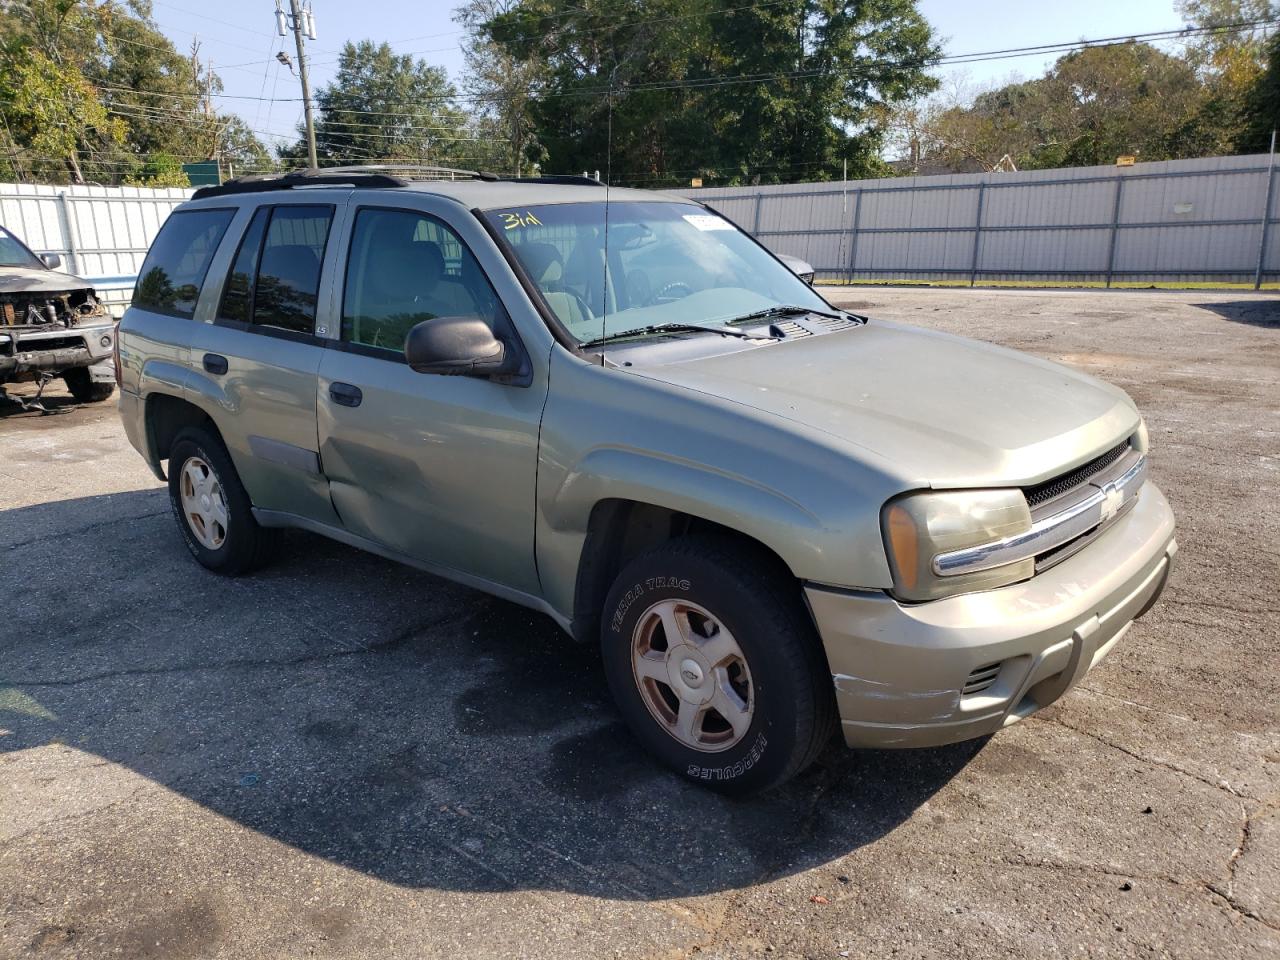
708,221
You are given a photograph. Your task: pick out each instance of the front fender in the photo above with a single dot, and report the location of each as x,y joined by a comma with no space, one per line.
740,503
610,435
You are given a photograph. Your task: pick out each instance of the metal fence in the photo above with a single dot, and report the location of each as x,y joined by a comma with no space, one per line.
1207,219
101,233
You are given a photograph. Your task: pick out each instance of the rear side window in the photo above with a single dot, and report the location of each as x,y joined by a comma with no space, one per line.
275,277
174,271
237,296
288,279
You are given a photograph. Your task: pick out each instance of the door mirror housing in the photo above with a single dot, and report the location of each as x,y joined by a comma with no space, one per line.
456,346
52,260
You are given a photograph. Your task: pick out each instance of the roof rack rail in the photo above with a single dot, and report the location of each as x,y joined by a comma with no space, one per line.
370,175
312,177
571,179
409,171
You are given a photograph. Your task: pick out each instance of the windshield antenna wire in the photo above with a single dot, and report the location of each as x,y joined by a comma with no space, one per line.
608,178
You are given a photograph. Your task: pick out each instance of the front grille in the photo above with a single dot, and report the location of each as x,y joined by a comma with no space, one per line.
35,345
1044,492
980,679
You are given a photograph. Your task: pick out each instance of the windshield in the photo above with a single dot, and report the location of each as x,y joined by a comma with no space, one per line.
668,264
14,254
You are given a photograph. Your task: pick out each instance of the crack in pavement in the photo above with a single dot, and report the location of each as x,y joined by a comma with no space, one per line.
132,795
1235,907
319,657
87,528
1217,605
1228,895
1220,784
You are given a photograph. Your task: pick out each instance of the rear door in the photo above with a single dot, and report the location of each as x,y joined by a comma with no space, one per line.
439,468
260,356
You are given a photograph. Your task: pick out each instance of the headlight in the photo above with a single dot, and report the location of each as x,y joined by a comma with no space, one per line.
919,526
1141,440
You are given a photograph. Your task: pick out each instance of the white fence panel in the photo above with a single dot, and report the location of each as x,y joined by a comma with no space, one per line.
101,233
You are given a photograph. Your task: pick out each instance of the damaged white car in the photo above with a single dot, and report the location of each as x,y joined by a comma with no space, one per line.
51,325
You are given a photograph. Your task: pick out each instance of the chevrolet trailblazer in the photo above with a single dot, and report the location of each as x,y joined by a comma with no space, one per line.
775,517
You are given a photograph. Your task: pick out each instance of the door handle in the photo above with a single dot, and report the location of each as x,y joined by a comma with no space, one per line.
345,394
215,364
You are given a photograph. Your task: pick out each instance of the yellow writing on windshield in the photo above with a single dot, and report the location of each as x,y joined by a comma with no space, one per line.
512,220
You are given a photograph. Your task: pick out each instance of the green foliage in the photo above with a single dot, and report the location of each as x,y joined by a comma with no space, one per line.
1263,103
658,91
88,89
1092,106
502,89
162,170
384,106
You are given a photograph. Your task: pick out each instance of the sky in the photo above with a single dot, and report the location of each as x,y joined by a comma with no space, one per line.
239,36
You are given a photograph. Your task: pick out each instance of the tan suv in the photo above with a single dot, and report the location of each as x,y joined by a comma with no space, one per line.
613,406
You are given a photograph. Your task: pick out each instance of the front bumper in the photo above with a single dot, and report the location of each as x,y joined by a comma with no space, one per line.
52,349
900,671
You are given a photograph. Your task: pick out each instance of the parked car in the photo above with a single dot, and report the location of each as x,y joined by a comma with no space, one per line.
801,268
773,516
51,325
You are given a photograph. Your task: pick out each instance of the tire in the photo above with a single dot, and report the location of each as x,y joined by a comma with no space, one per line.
84,388
227,540
708,587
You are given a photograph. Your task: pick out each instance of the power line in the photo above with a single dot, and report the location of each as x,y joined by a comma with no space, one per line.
747,79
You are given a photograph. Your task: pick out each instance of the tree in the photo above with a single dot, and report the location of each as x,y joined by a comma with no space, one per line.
111,94
661,90
1262,105
383,106
1230,61
1091,106
502,89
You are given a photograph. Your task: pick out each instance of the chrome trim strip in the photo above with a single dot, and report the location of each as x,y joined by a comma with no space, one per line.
1099,508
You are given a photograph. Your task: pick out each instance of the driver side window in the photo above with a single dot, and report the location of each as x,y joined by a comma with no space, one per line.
404,268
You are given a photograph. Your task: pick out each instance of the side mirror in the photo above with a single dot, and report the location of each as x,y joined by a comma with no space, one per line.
52,260
455,346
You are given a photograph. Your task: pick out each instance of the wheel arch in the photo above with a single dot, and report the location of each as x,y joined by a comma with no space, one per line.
166,416
620,529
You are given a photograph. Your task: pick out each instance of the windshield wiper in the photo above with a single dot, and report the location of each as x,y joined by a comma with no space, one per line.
676,325
783,310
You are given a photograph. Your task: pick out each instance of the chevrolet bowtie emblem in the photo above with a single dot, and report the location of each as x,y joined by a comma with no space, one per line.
1113,499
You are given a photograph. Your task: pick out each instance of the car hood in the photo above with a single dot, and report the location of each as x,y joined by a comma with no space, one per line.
934,409
36,280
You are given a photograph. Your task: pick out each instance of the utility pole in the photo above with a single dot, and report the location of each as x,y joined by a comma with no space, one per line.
303,26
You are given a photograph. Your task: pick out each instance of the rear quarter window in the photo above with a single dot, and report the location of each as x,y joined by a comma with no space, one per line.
173,273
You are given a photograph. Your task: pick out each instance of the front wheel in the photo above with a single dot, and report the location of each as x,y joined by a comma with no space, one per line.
84,388
715,664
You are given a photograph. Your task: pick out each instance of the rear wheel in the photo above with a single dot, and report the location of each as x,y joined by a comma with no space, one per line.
715,664
84,388
211,506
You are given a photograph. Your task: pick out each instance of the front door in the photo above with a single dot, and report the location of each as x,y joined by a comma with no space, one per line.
438,468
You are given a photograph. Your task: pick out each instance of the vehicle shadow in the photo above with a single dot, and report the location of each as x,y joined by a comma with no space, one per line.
387,720
1255,313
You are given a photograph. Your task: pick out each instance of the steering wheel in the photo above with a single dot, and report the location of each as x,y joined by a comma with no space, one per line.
668,292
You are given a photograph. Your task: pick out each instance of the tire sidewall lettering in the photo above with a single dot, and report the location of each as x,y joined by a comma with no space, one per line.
642,588
733,770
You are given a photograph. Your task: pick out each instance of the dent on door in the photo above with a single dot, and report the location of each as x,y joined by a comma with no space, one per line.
441,469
